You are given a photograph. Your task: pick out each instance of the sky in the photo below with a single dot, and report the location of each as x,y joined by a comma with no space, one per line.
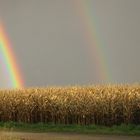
73,42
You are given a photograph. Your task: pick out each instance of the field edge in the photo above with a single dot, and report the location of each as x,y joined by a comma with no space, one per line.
123,129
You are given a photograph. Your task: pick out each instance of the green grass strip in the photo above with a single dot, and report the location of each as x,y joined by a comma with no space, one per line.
122,129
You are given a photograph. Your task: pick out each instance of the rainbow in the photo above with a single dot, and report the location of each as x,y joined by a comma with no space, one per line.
97,49
8,62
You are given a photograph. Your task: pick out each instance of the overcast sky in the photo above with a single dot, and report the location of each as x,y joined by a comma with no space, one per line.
49,41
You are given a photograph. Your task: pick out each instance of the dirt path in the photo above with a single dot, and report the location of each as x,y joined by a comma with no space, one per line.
64,136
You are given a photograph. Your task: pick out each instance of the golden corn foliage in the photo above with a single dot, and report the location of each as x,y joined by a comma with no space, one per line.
102,105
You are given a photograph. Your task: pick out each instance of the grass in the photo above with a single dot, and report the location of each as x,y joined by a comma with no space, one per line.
122,129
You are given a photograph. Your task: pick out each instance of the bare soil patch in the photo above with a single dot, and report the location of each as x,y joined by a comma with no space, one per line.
62,136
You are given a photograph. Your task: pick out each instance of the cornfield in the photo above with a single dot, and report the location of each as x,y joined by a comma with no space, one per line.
100,105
